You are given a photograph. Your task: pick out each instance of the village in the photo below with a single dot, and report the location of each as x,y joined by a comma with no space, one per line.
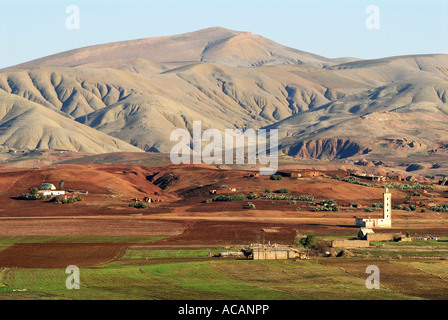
366,235
224,222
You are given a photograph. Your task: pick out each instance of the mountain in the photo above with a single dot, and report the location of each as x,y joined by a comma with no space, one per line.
412,107
216,45
130,95
29,125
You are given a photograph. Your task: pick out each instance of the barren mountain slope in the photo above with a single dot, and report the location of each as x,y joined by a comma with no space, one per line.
143,108
28,125
400,118
216,44
139,91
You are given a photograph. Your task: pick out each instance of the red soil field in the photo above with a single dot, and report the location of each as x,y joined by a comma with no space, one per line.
183,213
89,227
59,255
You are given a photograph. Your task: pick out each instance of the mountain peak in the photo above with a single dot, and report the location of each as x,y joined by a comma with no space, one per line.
191,47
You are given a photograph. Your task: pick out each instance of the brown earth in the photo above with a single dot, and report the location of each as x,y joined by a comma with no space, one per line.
59,255
89,227
186,217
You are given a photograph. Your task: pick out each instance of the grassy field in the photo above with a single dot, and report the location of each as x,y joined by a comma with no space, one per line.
263,280
178,274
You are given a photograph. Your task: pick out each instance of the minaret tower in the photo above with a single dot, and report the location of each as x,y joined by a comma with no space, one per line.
387,207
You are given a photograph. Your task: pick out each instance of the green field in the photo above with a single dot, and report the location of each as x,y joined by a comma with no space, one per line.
260,280
188,274
145,273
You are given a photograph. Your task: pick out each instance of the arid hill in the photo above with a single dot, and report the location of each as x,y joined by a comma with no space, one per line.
129,96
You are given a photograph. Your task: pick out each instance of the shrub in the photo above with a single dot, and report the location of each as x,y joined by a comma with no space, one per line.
276,177
251,205
326,208
62,200
253,196
267,190
238,197
411,186
368,210
410,208
440,208
138,205
28,196
355,180
326,205
284,190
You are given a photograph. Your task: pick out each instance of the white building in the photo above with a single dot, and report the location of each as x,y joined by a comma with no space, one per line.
386,222
48,189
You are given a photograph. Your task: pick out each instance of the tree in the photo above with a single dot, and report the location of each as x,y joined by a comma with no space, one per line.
308,242
34,191
247,252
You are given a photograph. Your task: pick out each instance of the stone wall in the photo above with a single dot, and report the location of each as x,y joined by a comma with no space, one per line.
274,254
350,244
383,236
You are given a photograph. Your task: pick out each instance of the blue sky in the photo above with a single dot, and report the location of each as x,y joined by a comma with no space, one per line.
332,28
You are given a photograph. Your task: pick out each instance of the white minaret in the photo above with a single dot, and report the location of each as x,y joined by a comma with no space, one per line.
387,206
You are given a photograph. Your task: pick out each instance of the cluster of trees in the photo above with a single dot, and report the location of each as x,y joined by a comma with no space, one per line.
405,208
409,186
253,196
377,205
326,205
32,195
355,180
440,208
223,197
288,197
28,196
62,200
